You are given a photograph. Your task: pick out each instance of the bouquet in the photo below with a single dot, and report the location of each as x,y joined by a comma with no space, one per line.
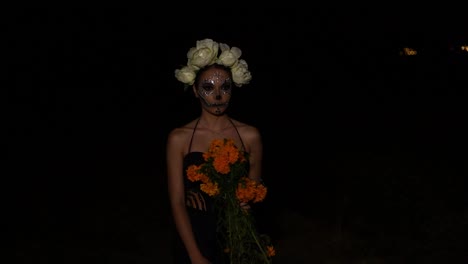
224,176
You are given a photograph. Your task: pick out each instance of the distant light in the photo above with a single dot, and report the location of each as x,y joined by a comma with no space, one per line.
464,48
408,52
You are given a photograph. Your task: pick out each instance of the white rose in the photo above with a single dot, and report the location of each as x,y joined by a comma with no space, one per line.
228,57
240,73
203,54
186,75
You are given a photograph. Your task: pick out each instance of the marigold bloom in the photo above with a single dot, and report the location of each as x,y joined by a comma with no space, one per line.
249,190
223,176
193,173
204,178
215,147
260,193
244,195
221,164
271,251
232,153
210,188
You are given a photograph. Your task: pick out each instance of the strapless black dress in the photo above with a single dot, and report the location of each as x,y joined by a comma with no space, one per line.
200,208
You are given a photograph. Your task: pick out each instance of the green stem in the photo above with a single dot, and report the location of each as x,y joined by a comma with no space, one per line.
230,235
254,235
235,214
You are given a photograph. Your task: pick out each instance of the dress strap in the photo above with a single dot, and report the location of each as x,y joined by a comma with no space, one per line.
193,133
240,138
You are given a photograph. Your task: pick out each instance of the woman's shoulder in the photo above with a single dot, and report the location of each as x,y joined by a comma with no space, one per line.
246,130
182,132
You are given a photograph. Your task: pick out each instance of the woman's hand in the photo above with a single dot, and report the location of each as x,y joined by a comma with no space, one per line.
245,206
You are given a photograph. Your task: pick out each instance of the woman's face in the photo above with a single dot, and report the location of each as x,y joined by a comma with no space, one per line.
214,90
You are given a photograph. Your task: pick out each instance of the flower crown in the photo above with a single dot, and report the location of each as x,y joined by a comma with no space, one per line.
206,53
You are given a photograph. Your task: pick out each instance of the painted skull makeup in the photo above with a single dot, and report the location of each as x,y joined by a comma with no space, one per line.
215,90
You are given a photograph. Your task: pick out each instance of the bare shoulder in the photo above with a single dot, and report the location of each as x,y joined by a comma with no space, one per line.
179,136
248,132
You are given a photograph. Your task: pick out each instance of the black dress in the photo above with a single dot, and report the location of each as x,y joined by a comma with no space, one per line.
202,214
202,217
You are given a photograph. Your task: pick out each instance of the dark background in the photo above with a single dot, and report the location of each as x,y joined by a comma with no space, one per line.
365,154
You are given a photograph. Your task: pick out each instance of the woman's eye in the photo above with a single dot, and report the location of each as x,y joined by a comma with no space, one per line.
207,88
226,87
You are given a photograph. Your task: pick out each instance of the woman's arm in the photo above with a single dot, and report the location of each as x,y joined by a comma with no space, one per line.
174,156
256,153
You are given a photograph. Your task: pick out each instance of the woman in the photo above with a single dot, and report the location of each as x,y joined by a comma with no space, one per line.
212,71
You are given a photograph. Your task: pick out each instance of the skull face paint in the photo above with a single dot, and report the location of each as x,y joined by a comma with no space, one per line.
214,90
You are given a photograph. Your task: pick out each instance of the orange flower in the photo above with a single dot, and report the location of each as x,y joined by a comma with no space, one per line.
249,190
260,193
221,164
223,176
193,174
210,188
271,251
245,191
223,153
231,152
204,178
215,146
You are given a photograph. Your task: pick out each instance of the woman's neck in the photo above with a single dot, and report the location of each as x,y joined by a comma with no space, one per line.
216,123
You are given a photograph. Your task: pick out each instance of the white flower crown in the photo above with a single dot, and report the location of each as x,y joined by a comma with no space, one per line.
206,53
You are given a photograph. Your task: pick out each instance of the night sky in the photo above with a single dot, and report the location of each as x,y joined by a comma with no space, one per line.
355,135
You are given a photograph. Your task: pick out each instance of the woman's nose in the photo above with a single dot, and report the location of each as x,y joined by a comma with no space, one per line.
218,94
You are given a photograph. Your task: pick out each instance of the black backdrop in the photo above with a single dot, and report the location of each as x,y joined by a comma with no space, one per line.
352,130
